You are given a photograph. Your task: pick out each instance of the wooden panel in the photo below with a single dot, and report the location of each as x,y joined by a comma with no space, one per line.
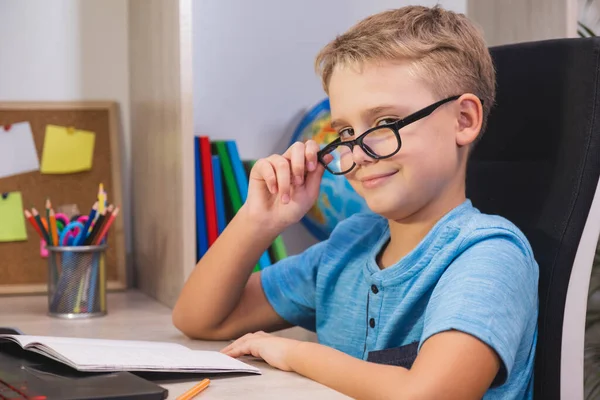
162,151
22,270
512,21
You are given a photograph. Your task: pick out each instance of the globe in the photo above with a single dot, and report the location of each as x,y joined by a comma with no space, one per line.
337,200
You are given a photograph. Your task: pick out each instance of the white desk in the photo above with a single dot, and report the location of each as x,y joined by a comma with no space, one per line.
132,315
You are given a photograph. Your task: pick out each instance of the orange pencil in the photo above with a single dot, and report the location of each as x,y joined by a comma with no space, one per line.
53,228
34,224
195,390
42,224
106,226
48,206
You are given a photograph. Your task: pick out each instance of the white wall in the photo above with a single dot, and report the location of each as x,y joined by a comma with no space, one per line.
63,50
253,68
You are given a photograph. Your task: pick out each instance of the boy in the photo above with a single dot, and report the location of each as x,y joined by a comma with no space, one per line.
426,298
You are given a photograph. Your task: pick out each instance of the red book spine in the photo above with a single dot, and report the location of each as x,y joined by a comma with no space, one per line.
209,190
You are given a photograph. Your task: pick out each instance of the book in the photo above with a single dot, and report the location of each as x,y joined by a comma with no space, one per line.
219,196
210,207
278,249
233,194
201,234
238,169
100,355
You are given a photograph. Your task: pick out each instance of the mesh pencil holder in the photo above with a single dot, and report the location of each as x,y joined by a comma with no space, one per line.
76,281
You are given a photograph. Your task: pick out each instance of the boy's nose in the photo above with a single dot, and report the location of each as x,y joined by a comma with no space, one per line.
359,156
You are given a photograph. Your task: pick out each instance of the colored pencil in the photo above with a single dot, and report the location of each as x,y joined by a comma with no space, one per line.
108,212
96,229
77,307
101,198
33,223
38,219
53,228
109,218
101,207
87,286
106,227
88,223
48,206
195,390
45,223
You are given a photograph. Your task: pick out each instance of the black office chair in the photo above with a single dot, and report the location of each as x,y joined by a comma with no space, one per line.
538,165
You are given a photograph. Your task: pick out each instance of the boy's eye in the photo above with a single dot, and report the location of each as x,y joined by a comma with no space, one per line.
386,121
346,133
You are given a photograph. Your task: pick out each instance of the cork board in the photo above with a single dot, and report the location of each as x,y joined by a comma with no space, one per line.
22,269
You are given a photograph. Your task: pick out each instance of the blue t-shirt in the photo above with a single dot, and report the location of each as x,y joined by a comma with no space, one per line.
472,272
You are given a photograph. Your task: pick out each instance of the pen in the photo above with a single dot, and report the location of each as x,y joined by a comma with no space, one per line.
190,394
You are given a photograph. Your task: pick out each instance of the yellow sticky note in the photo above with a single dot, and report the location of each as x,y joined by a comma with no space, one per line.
12,220
67,150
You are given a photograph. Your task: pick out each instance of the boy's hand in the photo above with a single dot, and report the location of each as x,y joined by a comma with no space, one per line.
274,350
282,188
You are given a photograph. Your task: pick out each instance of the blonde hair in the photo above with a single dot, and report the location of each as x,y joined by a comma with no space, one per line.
444,47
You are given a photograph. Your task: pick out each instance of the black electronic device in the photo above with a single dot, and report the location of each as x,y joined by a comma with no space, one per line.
26,375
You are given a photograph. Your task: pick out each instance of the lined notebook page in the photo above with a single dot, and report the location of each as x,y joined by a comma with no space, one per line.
99,357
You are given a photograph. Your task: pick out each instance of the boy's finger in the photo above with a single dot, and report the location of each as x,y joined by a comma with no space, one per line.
311,150
282,170
237,342
234,352
297,160
288,152
313,181
242,346
266,172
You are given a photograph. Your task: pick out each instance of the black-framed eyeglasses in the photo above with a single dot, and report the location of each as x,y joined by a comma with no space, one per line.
380,142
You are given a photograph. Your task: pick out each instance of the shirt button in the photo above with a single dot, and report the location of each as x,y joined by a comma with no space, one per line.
374,289
372,322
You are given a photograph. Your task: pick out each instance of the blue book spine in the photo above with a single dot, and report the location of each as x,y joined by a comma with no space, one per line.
238,169
201,234
219,197
242,183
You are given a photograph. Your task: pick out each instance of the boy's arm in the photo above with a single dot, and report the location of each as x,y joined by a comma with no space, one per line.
222,299
450,365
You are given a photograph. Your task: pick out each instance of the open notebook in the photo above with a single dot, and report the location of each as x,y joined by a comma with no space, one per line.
128,355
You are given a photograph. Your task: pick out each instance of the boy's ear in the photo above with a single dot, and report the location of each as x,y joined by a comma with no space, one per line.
470,119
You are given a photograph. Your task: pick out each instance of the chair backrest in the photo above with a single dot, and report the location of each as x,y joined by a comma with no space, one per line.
538,165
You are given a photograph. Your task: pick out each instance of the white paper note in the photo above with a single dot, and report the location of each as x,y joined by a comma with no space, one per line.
17,150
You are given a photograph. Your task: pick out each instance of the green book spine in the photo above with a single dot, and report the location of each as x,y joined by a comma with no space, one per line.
232,190
279,248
